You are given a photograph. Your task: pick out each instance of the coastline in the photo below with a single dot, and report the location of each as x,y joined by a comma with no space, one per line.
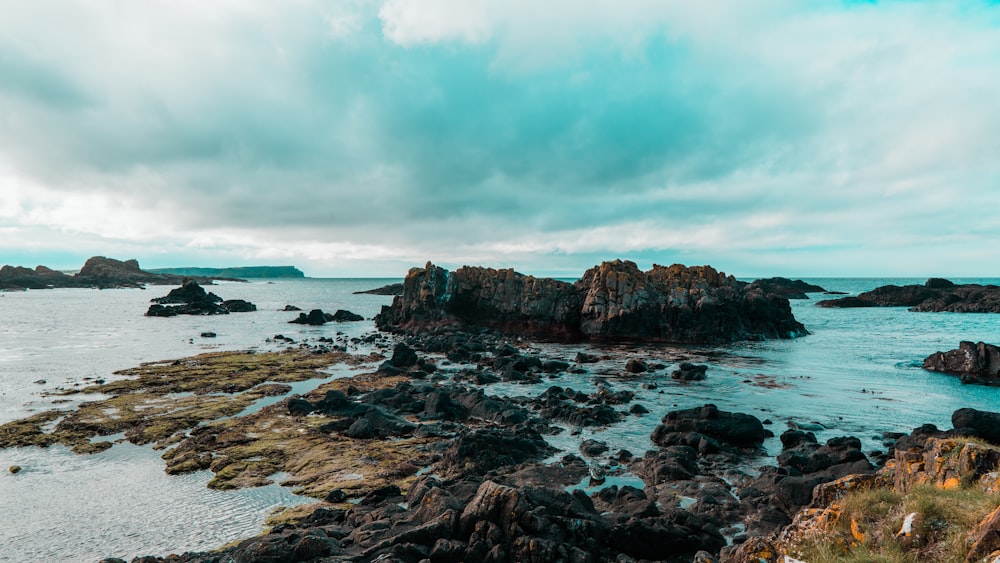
726,375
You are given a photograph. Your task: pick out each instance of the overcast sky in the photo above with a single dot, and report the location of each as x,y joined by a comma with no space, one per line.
772,137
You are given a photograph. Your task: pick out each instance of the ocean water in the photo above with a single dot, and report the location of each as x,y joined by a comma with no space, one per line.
857,374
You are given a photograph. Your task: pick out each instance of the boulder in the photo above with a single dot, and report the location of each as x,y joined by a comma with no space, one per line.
342,316
315,317
736,429
980,424
192,299
974,362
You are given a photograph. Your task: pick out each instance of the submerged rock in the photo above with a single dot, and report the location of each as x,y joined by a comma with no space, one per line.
614,300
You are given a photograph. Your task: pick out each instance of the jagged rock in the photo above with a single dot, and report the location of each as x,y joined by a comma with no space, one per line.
789,289
238,306
974,362
614,300
936,295
635,366
315,317
192,299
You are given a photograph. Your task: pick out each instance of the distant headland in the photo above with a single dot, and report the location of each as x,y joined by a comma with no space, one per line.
98,272
237,272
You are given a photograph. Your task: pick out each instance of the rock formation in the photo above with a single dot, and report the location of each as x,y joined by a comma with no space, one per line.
391,289
789,289
614,300
319,317
974,362
98,272
192,299
936,295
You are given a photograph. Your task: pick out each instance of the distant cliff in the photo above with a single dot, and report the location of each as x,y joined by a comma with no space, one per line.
237,272
612,301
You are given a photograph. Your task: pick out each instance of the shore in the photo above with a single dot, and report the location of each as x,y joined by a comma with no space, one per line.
369,445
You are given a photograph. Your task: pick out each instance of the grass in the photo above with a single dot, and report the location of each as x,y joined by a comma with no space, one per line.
945,518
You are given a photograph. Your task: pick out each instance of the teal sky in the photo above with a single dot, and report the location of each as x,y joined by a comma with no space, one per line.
773,137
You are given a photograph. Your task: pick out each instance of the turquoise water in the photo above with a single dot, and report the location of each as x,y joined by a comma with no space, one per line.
857,373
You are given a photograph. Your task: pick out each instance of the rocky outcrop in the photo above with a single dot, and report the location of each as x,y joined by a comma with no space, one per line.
98,272
936,295
192,299
925,467
391,289
789,289
973,362
318,317
612,301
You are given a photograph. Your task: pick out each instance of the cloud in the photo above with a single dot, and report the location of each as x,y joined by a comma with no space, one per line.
379,134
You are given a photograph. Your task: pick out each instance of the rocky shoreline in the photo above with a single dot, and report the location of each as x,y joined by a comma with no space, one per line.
412,461
412,458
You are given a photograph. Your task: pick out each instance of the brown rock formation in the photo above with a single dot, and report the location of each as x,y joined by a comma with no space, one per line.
614,300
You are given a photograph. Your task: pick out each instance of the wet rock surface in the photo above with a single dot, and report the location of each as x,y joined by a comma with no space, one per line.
977,362
936,295
614,300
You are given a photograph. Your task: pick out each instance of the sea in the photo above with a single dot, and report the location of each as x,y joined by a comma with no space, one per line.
858,373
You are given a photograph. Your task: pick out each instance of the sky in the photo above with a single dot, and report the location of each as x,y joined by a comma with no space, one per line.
361,138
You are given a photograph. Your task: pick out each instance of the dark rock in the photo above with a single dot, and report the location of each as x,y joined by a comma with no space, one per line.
936,295
614,300
192,299
585,358
981,424
208,335
593,448
689,372
789,289
290,308
403,356
315,317
346,316
732,428
635,366
638,409
974,362
238,306
939,283
336,496
478,451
